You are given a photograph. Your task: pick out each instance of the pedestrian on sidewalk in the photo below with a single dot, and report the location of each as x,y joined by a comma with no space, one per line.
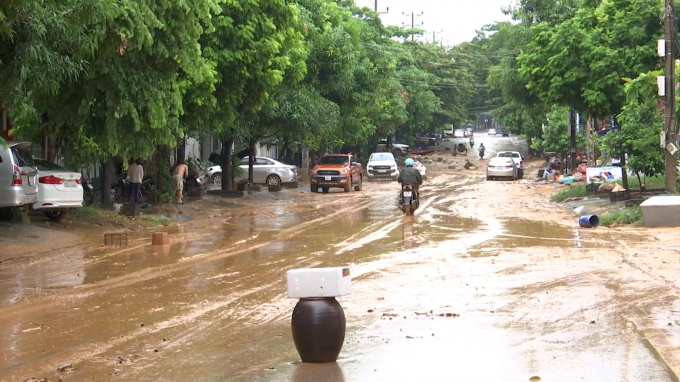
181,173
135,175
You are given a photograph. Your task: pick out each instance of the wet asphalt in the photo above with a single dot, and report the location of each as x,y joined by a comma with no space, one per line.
439,296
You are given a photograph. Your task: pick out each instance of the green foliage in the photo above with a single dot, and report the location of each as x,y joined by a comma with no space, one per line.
579,61
628,216
641,123
554,138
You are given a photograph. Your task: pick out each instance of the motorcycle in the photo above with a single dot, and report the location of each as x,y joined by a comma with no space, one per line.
472,143
408,199
88,192
481,153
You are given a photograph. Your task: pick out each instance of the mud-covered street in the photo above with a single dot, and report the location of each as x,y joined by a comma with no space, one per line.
489,281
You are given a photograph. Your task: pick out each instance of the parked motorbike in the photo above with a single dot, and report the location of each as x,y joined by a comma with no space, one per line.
119,189
88,192
408,199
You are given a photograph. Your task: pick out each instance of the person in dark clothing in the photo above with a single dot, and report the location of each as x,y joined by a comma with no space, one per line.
410,175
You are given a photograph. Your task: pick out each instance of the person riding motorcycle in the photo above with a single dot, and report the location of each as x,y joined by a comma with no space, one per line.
481,150
472,142
410,176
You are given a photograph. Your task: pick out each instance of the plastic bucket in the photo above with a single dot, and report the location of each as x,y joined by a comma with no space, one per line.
589,221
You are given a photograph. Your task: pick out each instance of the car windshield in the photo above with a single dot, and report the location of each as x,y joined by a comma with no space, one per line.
334,160
45,165
22,157
499,160
382,157
508,155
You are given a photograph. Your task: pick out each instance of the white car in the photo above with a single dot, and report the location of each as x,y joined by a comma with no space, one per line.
516,157
397,148
58,190
492,132
265,171
382,166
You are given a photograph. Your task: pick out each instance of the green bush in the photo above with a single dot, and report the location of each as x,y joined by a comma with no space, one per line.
571,192
629,216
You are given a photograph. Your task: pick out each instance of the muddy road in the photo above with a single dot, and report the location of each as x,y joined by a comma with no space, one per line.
528,292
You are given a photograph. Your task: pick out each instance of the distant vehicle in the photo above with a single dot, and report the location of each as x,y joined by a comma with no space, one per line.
337,170
265,171
501,167
468,132
459,133
429,139
18,178
382,166
516,157
398,149
59,190
505,133
492,132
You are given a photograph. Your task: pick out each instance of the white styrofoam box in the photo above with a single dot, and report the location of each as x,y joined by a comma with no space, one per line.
661,211
319,282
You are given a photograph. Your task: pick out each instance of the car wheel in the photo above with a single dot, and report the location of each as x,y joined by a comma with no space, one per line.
488,178
361,184
6,214
521,174
348,186
216,178
273,180
56,216
325,190
315,188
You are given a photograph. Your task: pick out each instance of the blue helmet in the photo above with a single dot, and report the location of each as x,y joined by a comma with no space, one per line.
408,162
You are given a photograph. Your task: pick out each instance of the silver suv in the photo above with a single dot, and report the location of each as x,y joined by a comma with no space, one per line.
18,178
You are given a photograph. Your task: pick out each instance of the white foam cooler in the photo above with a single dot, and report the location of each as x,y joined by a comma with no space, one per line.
319,282
661,211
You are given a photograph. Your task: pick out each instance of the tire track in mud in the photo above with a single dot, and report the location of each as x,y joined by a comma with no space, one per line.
84,291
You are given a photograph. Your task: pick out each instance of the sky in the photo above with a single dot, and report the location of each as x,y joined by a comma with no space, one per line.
454,20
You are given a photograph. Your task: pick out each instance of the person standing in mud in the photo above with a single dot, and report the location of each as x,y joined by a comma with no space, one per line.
181,173
135,174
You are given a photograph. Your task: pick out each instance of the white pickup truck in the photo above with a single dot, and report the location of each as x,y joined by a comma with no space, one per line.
397,148
517,158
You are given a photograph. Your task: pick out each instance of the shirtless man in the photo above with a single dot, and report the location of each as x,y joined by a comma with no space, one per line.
181,173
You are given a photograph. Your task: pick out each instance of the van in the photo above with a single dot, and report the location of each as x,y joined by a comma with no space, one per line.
18,178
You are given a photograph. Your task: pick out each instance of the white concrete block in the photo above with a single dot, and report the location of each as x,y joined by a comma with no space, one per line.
661,211
319,282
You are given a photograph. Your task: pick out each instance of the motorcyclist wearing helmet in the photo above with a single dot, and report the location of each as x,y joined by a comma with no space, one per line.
410,175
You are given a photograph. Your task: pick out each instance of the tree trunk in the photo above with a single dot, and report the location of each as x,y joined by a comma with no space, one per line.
106,183
227,177
624,173
182,150
251,160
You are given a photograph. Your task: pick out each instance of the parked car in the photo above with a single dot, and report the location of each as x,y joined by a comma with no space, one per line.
382,166
18,178
516,157
336,170
492,132
398,149
459,133
265,171
501,167
58,190
429,139
505,133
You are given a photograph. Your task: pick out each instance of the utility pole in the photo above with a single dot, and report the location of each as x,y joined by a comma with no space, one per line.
669,124
413,21
434,36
